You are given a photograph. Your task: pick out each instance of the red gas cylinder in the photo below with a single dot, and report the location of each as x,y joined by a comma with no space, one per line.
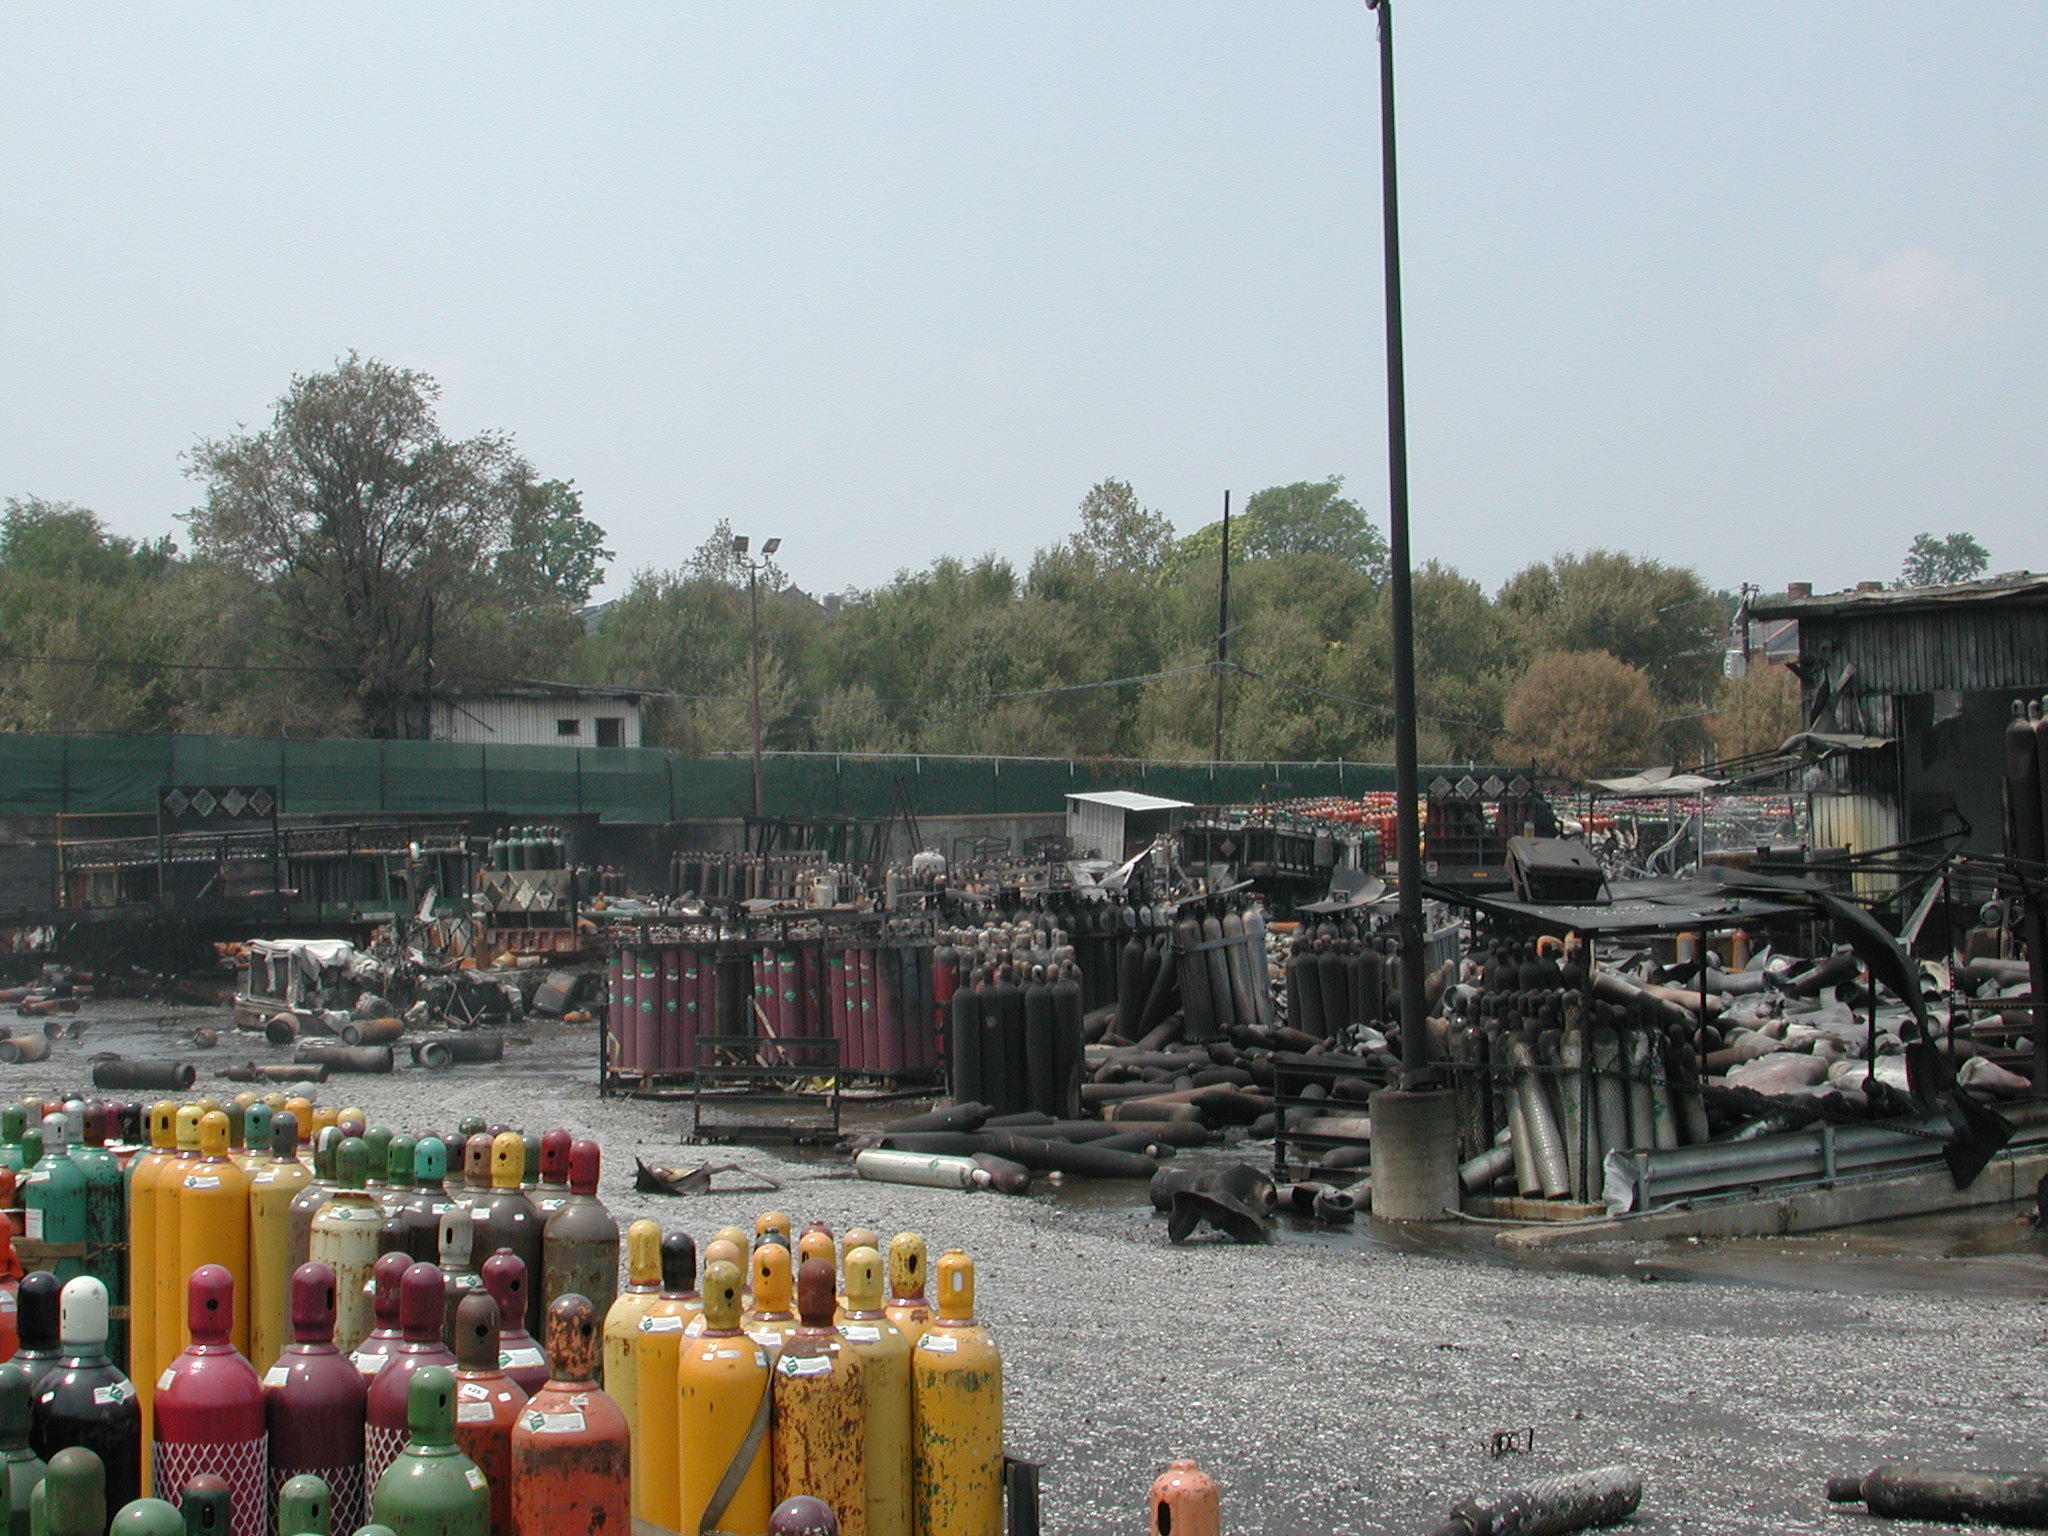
569,1448
554,1173
419,1316
313,1403
209,1407
487,1403
505,1278
387,1278
1185,1502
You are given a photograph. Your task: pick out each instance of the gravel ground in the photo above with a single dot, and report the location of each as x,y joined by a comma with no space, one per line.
1337,1385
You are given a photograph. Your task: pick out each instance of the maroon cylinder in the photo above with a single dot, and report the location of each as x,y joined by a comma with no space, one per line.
419,1315
313,1403
519,1353
209,1408
387,1278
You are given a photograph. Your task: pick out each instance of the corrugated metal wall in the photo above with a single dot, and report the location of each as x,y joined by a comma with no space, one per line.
1973,649
507,722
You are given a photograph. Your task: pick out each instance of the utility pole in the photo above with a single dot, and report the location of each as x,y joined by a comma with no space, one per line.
1222,635
739,549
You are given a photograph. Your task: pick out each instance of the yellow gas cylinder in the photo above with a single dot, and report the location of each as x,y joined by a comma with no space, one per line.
1185,1502
301,1109
821,1408
717,1250
740,1249
956,1376
272,1188
907,1307
884,1354
324,1115
246,1147
772,1221
770,1319
213,1219
724,1398
145,1190
657,1491
815,1242
852,1238
168,1290
622,1327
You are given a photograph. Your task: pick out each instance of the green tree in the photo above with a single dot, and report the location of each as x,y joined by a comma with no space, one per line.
1309,517
1658,617
1757,711
1580,713
1119,534
1933,562
553,552
381,539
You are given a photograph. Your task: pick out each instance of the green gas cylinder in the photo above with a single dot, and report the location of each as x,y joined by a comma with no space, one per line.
24,1467
432,1489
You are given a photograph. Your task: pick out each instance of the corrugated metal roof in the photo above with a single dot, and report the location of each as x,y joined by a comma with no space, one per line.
1130,800
2012,586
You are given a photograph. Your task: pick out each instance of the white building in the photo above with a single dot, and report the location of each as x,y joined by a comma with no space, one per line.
540,715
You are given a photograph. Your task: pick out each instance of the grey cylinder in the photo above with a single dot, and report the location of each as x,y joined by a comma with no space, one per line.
345,1058
281,1029
1414,1155
371,1031
24,1047
122,1072
442,1051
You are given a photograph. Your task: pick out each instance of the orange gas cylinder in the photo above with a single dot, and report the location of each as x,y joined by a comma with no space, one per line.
622,1319
1184,1502
956,1378
724,1398
213,1219
168,1280
907,1307
570,1449
770,1320
815,1242
654,1384
772,1221
821,1408
145,1190
885,1364
487,1403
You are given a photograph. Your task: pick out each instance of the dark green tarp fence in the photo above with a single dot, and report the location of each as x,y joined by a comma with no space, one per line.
120,775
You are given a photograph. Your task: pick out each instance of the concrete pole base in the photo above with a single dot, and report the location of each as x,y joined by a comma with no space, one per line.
1414,1154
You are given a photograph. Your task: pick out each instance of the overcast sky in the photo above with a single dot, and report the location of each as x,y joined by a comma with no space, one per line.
1755,288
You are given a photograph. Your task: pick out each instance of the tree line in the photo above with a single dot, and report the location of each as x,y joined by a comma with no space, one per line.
347,560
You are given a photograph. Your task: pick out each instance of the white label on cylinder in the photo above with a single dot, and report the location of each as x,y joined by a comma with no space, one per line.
163,1382
32,1224
555,1423
276,1376
474,1478
652,1323
112,1396
939,1343
472,1413
526,1356
804,1365
862,1333
202,1181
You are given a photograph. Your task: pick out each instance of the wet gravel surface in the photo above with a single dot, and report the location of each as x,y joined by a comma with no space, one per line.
1343,1384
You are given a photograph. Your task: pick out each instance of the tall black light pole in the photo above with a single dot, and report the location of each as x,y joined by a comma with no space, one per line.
739,548
1415,1069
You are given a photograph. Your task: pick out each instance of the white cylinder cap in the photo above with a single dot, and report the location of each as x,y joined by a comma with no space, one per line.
74,1117
457,1235
56,1133
82,1314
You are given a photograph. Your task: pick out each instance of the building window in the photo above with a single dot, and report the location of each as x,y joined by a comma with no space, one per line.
568,727
611,731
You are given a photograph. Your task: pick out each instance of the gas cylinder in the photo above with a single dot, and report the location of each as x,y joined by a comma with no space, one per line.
519,1353
87,1400
419,1313
208,1504
147,1517
487,1402
24,1466
815,1242
459,1277
53,1197
209,1407
36,1320
146,1174
571,1450
654,1370
300,1108
351,1121
314,1401
106,1221
884,1356
276,1181
377,1165
508,1215
821,1407
421,1211
305,1506
399,1159
724,1396
622,1318
432,1489
907,1307
313,1195
344,1238
772,1222
957,1384
13,1121
387,1280
1184,1502
213,1218
554,1174
476,1167
770,1319
580,1244
73,1496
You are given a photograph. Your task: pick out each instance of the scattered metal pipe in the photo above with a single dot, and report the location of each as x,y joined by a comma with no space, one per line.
1929,1493
125,1072
345,1058
1550,1506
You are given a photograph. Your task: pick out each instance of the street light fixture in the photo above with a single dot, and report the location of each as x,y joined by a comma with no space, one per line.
753,567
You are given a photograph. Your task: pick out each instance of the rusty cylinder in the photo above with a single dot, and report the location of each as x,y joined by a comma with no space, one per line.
580,1243
957,1384
821,1408
571,1447
487,1403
